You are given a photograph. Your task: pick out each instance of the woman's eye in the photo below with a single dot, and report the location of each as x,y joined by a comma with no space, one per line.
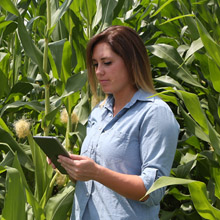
108,63
95,65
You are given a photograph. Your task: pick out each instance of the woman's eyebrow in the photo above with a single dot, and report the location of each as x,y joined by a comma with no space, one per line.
103,58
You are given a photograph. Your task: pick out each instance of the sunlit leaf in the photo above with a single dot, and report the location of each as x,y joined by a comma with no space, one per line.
33,105
56,49
75,83
30,48
58,206
214,74
9,6
105,9
162,7
197,192
193,105
60,11
193,127
14,189
174,62
210,45
176,18
24,159
20,88
195,46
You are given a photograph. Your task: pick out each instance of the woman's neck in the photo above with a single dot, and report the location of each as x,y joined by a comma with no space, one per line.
121,100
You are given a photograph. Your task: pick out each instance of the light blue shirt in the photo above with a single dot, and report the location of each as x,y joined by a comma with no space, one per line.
140,140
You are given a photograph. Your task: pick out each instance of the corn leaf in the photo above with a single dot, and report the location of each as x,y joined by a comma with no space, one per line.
56,49
37,209
14,189
193,127
58,206
174,62
214,74
9,6
105,9
200,201
60,11
193,105
197,191
210,45
24,159
161,8
30,48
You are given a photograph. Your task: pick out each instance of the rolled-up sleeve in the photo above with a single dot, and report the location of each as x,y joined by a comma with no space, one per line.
158,140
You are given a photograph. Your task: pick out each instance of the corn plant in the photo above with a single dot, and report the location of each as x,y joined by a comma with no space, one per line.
44,89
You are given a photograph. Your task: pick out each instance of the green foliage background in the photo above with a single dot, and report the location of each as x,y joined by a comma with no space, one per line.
43,71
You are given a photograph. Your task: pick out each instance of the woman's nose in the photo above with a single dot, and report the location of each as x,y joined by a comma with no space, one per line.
99,70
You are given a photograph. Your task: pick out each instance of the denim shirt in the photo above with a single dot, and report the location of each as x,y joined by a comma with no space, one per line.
140,140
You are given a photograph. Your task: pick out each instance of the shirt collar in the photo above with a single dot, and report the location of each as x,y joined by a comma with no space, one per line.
140,95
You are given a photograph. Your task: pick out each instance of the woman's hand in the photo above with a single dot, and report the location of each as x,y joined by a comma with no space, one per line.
79,167
83,168
50,163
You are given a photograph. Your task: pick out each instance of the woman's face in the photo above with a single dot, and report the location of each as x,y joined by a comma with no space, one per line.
111,71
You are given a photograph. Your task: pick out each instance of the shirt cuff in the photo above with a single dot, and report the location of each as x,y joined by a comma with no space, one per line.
149,176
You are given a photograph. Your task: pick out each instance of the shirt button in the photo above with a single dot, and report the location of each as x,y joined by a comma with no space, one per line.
100,128
87,194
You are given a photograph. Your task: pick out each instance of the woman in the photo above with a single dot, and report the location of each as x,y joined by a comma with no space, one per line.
131,136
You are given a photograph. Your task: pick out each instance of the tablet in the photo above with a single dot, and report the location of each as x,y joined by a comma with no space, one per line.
52,147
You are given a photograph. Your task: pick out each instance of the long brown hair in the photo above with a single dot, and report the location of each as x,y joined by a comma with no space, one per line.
125,42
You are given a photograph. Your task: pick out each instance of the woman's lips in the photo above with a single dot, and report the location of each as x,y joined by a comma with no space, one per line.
103,82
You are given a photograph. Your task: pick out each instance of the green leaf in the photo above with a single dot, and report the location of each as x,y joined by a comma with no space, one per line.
56,49
82,109
200,201
66,62
193,105
216,176
9,6
88,8
183,170
176,18
195,46
190,21
20,88
161,8
33,105
49,118
37,209
30,48
193,127
14,189
210,45
42,179
214,74
214,139
5,24
75,83
5,127
3,84
4,58
24,159
178,195
168,181
105,11
174,62
58,206
169,81
197,191
60,12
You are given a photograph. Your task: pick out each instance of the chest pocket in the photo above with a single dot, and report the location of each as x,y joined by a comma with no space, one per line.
112,146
